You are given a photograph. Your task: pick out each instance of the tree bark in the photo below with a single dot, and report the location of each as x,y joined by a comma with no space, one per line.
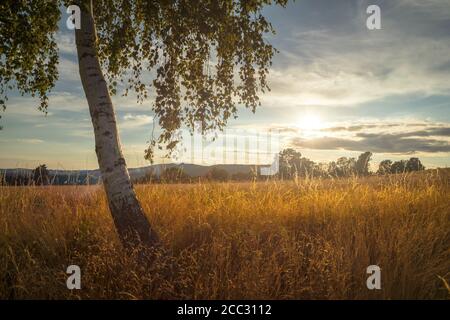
129,218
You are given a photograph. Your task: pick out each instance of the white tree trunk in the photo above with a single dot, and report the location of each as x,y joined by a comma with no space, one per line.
131,223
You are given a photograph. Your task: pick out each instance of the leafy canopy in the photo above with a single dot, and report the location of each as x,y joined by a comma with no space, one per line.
207,56
28,51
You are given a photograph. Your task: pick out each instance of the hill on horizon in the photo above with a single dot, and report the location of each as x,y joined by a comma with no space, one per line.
71,177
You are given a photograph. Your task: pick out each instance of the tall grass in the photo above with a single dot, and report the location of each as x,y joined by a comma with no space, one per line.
310,239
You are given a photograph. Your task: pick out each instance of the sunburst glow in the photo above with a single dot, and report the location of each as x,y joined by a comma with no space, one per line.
310,122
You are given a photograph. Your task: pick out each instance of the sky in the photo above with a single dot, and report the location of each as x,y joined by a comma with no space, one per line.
337,89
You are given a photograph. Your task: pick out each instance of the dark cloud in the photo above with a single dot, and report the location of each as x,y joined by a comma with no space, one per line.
440,131
425,132
429,132
360,127
404,142
285,129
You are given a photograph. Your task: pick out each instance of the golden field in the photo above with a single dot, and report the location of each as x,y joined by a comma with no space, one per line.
310,239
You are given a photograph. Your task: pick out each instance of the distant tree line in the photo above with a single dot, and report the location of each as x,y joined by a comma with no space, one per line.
387,166
291,166
39,176
178,175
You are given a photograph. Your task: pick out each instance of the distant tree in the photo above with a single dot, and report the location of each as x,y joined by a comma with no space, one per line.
41,175
292,164
414,164
398,166
289,162
346,167
217,174
306,168
321,170
385,167
342,167
332,169
174,175
362,164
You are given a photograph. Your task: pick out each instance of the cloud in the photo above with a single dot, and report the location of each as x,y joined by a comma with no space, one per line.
135,120
429,129
66,43
30,141
58,101
23,140
435,9
429,140
431,132
359,127
82,133
350,65
68,71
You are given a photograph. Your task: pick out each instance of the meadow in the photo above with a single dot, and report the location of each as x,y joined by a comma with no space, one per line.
306,239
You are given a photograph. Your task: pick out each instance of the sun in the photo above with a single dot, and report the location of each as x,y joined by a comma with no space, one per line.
310,122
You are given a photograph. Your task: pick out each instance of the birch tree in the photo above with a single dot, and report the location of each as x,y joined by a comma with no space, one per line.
208,57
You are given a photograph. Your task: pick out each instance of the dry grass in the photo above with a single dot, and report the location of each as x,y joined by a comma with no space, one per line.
275,240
